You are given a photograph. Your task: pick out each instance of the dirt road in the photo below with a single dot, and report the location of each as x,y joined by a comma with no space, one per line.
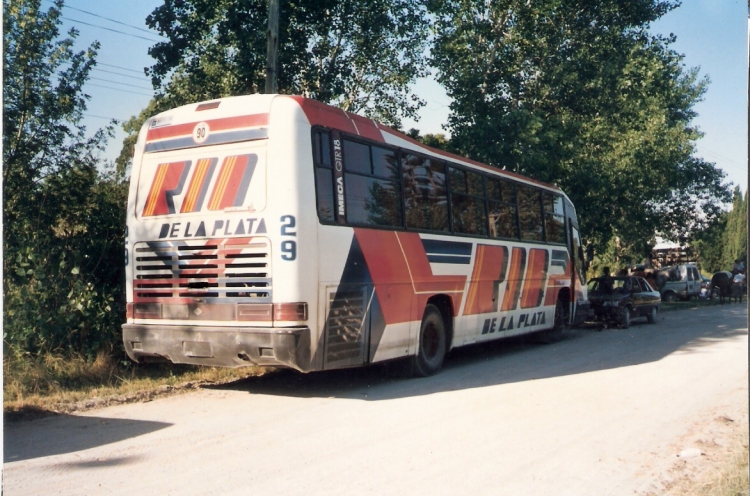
598,413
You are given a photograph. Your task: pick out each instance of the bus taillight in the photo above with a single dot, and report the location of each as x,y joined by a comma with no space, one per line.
287,312
290,311
257,312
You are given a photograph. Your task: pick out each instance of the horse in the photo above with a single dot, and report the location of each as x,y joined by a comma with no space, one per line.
722,281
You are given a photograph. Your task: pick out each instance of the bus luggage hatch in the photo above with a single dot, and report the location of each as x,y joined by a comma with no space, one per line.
347,326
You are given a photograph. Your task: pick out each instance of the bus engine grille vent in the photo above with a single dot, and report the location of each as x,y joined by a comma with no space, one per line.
344,332
232,270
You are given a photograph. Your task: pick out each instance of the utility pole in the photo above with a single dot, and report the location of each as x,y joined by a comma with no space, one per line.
273,46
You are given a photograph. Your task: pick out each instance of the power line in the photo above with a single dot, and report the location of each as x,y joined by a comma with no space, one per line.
110,29
141,78
118,89
725,158
115,66
122,68
102,117
117,82
108,19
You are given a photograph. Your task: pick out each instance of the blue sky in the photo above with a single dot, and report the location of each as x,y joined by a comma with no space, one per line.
711,34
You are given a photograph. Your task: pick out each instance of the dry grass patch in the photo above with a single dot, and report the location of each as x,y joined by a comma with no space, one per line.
55,383
732,479
721,469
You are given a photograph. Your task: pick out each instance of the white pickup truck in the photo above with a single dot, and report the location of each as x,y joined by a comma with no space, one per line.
680,281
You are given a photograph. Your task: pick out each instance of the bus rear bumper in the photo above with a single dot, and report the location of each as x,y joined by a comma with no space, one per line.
219,346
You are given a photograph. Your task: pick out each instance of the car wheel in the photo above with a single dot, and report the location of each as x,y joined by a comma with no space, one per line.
652,315
625,317
432,343
669,296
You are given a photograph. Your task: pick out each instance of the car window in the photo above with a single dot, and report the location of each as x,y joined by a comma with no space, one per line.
673,274
644,285
618,284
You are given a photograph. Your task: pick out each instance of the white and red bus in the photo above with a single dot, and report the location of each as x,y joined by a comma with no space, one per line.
276,230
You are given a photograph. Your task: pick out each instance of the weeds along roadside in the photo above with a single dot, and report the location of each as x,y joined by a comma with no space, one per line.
732,478
54,382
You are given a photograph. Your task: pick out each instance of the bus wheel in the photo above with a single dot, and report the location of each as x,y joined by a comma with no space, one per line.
432,345
559,321
561,317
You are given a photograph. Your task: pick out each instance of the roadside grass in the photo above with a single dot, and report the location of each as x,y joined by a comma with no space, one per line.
695,303
726,473
38,386
732,478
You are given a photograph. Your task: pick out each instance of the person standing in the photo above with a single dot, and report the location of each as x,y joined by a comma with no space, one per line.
605,281
738,286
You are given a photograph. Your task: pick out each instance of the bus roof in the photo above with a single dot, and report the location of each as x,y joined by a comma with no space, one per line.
249,114
325,115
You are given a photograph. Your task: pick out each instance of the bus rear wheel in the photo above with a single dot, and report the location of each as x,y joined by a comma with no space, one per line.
559,322
432,343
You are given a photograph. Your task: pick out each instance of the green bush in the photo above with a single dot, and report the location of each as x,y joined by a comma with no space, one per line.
63,207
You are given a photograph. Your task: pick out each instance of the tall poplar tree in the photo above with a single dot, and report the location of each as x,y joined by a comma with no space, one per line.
734,240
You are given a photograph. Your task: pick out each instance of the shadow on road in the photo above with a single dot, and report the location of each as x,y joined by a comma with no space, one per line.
512,360
71,433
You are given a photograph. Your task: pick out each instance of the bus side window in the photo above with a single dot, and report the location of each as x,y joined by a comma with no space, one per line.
425,194
530,213
501,204
468,212
323,175
554,218
373,193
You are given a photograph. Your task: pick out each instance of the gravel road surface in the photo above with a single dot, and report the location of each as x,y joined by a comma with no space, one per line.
597,413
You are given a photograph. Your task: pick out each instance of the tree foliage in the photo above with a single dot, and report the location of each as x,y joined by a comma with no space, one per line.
725,239
708,246
62,216
581,94
358,54
439,140
734,239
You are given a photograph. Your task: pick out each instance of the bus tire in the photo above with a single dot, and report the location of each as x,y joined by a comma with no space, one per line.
432,343
561,317
559,322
